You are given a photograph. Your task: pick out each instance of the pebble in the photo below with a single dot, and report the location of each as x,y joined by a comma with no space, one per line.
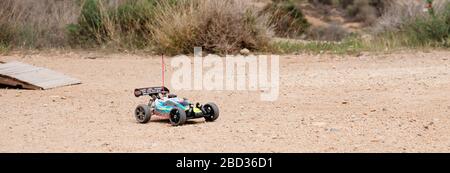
332,130
245,51
375,140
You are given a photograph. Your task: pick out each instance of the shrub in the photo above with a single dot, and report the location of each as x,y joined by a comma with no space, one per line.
331,32
94,24
6,34
132,20
218,26
412,27
38,24
6,37
432,31
286,18
366,11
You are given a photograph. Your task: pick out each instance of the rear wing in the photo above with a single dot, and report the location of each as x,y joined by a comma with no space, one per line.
150,91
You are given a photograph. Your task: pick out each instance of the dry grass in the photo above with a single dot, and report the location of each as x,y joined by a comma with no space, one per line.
218,26
406,24
400,12
287,18
38,23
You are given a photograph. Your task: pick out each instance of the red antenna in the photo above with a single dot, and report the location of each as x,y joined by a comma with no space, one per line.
163,69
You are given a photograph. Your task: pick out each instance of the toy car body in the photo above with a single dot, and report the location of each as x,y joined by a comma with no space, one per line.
167,105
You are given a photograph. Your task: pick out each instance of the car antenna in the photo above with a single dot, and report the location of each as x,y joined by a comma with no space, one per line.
162,73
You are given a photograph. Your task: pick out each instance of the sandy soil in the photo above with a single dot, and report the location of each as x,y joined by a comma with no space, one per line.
372,103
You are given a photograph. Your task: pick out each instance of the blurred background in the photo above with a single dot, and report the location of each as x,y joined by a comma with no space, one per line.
225,26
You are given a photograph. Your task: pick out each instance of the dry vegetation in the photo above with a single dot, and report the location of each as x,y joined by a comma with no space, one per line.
35,24
217,26
176,26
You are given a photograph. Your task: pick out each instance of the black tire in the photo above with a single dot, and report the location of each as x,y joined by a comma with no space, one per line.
177,116
212,112
142,114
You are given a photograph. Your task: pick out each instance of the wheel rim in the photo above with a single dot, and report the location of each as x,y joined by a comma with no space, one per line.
209,111
140,113
175,116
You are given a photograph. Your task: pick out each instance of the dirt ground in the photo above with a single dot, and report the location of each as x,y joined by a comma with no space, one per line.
397,102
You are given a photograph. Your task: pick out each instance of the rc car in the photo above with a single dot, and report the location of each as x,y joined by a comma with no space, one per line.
164,104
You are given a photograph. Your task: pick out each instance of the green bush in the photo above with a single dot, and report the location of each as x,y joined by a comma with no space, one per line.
286,18
126,25
432,30
132,21
6,34
92,26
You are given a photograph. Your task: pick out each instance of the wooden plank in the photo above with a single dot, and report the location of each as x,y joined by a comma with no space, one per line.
28,76
6,80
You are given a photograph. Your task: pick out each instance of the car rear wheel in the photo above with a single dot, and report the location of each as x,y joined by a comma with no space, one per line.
142,113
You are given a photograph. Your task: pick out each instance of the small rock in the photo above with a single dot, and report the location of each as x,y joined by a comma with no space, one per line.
91,57
373,110
384,109
344,102
359,54
332,130
245,51
375,140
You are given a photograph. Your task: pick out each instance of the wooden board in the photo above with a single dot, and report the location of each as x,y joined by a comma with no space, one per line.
31,77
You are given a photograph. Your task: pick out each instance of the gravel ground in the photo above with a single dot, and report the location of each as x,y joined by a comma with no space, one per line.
398,102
